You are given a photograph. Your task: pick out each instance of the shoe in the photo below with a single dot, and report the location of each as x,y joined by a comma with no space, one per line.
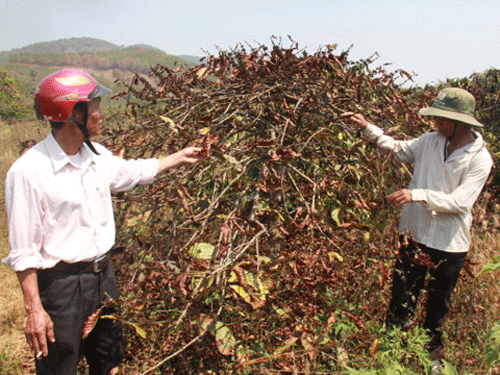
436,368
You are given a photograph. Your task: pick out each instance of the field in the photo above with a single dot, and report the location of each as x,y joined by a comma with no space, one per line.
292,207
15,357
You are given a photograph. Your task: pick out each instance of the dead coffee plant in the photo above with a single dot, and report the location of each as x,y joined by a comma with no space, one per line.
271,255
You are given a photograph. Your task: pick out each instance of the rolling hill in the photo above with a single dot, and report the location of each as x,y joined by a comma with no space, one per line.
94,54
108,62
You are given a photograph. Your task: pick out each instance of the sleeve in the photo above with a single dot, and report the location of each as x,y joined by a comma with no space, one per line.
405,151
24,220
127,174
464,196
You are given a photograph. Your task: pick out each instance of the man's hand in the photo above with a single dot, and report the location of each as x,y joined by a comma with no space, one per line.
357,119
400,197
188,155
39,328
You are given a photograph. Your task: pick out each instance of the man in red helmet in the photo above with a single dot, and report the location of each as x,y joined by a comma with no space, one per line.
61,225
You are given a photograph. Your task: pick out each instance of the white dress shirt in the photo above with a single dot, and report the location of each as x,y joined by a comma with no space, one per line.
443,191
60,209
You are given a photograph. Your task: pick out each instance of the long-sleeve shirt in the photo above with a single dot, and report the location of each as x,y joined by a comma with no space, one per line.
59,208
443,191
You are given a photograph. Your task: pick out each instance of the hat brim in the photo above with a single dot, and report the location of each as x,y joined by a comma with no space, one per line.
433,111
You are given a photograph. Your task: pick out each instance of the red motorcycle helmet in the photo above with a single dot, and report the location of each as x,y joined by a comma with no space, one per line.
57,93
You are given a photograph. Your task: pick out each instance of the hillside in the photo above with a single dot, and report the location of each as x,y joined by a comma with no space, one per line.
93,53
106,61
67,46
71,45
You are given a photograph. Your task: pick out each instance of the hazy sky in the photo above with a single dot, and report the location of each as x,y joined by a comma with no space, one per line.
436,39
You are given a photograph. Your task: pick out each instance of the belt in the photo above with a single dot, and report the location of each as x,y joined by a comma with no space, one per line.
94,266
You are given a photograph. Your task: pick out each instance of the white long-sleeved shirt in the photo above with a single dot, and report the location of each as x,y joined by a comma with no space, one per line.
61,210
443,192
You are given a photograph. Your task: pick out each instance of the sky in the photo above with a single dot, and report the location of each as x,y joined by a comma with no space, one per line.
435,39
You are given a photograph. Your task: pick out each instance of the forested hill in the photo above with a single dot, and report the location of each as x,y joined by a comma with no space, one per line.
92,53
70,45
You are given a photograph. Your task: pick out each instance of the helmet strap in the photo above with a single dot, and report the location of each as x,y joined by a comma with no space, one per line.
84,130
91,146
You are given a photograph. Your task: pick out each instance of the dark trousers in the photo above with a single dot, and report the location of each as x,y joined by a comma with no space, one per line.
70,299
409,280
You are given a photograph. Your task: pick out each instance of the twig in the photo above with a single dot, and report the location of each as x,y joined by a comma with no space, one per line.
181,349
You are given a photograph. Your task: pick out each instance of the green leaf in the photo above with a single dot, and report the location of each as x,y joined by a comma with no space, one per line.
170,123
448,369
141,332
491,266
141,218
289,343
492,350
332,255
335,216
241,292
203,250
204,131
224,337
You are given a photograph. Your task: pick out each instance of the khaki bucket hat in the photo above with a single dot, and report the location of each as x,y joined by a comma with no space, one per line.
455,104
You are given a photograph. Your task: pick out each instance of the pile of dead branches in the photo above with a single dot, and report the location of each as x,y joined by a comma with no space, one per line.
273,251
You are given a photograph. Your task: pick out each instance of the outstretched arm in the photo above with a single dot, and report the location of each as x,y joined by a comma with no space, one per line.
404,150
357,119
188,155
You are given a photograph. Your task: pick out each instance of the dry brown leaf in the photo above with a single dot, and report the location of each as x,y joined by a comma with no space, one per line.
91,322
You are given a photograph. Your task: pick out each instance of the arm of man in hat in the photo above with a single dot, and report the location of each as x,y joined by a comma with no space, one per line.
357,119
401,197
404,150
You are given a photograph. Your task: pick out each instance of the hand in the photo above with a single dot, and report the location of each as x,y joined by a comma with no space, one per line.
38,328
357,119
190,155
400,197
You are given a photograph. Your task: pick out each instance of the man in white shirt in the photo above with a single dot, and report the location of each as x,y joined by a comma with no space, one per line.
451,166
61,225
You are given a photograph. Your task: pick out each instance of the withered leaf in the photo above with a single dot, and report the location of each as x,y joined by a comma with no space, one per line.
91,322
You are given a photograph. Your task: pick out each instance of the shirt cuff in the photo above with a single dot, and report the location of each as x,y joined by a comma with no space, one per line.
372,132
149,170
23,263
418,195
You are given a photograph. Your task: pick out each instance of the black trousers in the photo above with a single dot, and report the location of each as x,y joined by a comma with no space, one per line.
409,280
70,299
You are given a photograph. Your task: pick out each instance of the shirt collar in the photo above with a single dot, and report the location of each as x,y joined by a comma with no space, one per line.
60,159
471,147
477,145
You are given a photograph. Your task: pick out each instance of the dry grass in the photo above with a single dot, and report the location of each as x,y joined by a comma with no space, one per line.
14,354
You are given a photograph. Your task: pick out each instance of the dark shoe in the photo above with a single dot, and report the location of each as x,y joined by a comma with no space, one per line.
436,353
